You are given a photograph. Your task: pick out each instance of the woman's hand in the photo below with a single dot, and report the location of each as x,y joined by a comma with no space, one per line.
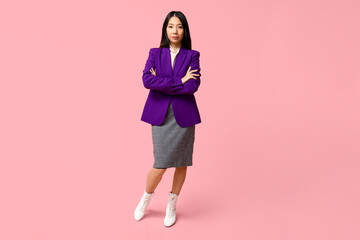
189,75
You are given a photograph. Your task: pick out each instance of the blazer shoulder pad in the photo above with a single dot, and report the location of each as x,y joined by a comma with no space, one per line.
154,49
194,52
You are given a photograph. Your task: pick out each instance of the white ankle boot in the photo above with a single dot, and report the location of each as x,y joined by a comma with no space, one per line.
143,204
170,216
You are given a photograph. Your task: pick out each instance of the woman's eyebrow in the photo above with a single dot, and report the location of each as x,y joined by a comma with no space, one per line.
173,24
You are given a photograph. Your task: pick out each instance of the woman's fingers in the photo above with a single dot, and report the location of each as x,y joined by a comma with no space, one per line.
191,71
190,74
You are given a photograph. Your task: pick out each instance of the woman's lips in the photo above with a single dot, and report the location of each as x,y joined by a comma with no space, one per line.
175,37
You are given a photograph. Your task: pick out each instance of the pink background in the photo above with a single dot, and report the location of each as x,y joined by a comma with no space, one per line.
276,155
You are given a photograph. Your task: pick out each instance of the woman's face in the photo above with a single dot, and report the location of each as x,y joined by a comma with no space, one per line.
175,29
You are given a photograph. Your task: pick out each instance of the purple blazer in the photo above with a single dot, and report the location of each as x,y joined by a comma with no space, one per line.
166,86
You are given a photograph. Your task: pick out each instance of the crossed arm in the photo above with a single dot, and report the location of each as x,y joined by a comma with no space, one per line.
171,85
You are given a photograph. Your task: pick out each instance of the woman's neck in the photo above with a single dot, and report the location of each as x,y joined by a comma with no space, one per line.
175,47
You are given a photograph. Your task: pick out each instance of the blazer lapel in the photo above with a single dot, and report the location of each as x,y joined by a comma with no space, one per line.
179,60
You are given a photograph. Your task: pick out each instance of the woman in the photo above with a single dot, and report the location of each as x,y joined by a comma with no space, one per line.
172,73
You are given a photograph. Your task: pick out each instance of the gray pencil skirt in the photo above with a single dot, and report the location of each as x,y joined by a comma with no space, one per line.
173,145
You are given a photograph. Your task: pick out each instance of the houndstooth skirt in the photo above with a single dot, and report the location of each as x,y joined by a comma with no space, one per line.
173,145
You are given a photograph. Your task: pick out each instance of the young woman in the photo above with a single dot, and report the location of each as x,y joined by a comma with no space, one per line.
172,73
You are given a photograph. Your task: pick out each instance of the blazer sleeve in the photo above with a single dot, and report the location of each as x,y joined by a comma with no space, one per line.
192,85
158,83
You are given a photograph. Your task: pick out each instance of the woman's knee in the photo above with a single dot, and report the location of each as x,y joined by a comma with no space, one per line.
159,171
181,168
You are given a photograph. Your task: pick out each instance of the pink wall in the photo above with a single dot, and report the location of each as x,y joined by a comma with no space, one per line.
276,156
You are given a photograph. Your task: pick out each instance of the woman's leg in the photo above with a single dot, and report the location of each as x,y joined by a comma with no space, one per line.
179,178
153,179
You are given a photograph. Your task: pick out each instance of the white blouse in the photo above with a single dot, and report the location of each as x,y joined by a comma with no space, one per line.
173,53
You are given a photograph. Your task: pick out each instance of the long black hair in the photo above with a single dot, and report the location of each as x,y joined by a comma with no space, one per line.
186,41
